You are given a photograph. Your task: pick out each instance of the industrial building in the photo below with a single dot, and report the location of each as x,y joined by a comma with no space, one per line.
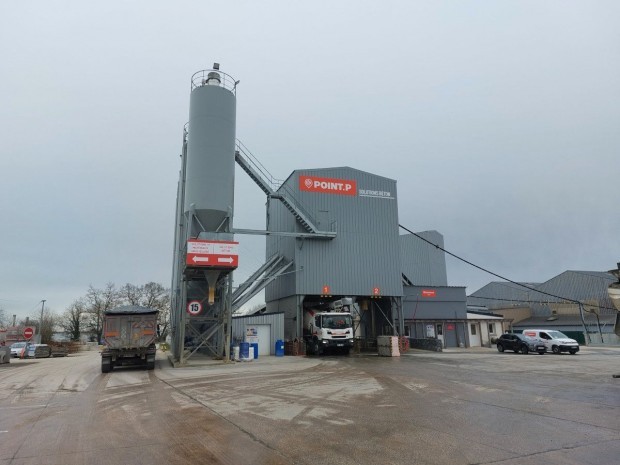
576,303
332,234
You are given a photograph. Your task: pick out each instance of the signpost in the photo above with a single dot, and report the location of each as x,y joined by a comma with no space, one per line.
28,332
216,254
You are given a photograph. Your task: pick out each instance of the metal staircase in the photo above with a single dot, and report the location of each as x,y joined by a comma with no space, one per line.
275,190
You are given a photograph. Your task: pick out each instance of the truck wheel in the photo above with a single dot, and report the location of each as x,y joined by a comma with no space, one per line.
316,348
106,365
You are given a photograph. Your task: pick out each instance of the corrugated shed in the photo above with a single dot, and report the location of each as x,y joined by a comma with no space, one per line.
366,252
275,320
585,286
423,264
589,287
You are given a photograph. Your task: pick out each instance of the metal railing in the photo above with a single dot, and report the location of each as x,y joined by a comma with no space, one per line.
207,77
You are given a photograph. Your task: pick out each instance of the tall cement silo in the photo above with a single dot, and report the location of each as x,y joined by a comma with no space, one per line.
210,170
205,253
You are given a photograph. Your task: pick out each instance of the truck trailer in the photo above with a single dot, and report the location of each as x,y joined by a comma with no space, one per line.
129,334
329,329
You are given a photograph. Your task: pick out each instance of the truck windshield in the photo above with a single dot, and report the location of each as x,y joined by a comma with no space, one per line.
336,321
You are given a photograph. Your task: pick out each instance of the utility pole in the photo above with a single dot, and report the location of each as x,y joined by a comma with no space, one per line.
41,322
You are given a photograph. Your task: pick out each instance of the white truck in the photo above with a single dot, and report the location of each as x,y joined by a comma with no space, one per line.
329,329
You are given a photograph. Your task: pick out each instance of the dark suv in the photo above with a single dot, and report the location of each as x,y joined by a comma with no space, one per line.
519,343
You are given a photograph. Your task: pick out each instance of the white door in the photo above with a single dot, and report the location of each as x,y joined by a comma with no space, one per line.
474,335
439,328
264,339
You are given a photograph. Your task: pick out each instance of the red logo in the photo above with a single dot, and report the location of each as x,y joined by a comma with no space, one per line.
429,293
328,185
326,290
376,291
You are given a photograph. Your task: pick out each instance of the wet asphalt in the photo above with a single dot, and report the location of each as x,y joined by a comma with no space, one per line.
472,406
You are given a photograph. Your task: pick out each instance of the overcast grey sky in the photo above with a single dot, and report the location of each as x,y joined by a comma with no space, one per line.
499,121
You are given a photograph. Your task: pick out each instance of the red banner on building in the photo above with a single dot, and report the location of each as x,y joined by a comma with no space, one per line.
328,185
429,293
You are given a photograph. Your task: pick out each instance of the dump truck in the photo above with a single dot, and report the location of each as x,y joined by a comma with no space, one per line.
129,334
330,328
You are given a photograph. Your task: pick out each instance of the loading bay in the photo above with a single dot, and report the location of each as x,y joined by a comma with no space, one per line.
463,406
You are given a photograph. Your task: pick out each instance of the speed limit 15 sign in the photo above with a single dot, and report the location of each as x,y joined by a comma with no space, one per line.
194,307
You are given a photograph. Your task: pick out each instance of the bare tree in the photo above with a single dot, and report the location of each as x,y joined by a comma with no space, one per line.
3,318
98,301
131,294
71,319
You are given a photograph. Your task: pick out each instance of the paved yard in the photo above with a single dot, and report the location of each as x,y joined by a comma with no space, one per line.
473,406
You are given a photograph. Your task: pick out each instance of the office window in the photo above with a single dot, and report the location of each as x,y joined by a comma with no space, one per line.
473,329
491,328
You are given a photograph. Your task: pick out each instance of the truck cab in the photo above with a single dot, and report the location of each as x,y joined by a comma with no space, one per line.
329,330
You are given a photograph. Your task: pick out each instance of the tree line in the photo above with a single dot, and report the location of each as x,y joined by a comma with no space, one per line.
85,315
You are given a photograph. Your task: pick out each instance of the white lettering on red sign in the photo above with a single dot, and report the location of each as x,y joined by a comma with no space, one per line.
328,185
429,293
220,254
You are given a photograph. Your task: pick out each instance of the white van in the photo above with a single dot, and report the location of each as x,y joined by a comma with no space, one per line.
555,341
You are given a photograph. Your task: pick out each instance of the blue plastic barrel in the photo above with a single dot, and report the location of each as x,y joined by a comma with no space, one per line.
255,345
244,350
279,348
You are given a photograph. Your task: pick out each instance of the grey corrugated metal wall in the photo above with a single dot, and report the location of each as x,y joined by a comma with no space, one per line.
275,320
366,252
447,303
422,263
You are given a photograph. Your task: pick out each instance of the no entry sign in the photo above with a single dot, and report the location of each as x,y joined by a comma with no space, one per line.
28,332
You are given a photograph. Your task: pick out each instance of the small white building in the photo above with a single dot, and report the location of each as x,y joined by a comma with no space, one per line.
483,328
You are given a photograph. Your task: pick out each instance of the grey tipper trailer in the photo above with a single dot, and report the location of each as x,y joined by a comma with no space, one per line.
129,334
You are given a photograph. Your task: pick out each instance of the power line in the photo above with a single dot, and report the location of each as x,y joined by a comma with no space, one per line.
497,275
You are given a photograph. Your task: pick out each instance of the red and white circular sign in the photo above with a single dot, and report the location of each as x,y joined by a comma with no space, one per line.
28,332
194,307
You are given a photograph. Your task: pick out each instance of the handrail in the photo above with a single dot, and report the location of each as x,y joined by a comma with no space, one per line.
201,78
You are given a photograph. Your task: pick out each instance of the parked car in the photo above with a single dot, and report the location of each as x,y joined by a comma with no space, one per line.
17,348
519,343
39,351
555,341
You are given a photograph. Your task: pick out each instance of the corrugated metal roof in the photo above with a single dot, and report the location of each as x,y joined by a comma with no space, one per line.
586,286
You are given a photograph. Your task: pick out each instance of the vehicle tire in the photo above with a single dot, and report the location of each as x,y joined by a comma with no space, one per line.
524,349
316,347
106,365
555,349
500,348
572,352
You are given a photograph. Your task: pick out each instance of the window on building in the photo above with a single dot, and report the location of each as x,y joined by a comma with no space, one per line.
439,329
473,329
491,328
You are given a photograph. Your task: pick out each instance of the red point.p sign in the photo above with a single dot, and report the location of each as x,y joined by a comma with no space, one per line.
194,307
